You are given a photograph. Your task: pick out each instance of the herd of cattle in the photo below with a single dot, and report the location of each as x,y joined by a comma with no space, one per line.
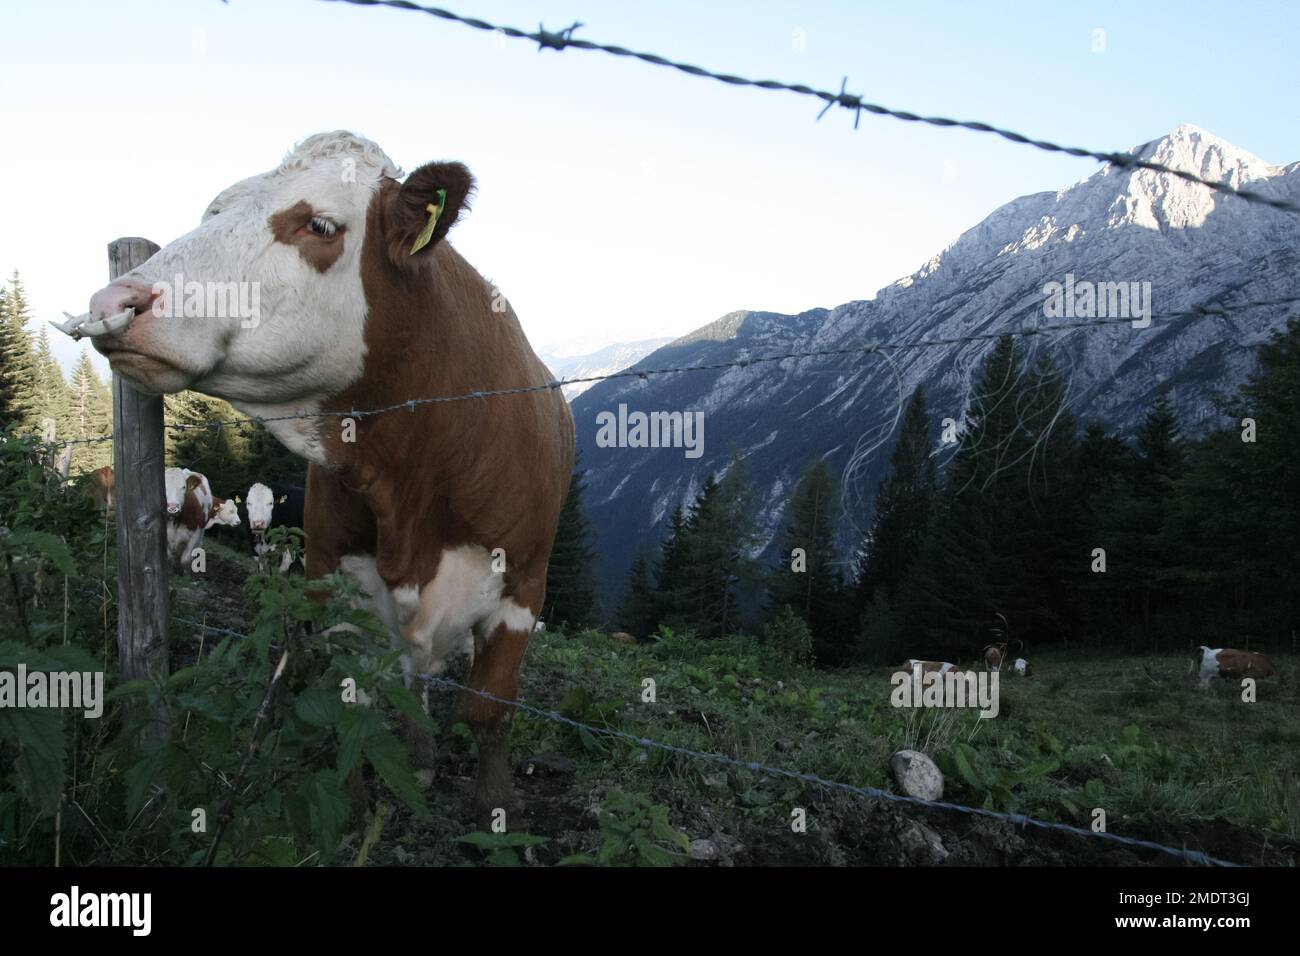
192,509
1228,663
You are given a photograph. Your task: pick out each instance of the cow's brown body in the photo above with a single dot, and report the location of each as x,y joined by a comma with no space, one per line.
417,484
1235,664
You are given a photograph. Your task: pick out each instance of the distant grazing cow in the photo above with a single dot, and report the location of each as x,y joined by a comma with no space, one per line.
1022,667
362,305
994,655
928,667
101,488
622,637
186,524
1232,664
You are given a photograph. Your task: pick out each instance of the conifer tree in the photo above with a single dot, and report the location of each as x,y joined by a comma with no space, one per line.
570,581
17,378
807,577
903,505
50,389
640,607
90,413
720,535
671,574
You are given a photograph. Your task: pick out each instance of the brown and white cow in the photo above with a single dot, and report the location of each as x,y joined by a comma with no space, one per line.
189,509
994,654
224,511
1232,664
928,667
101,488
356,310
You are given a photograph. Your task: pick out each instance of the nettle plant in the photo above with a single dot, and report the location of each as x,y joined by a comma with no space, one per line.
231,759
271,734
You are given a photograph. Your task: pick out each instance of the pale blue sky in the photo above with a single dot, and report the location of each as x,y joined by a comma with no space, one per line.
617,200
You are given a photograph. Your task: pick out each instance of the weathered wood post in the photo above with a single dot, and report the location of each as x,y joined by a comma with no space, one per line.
142,597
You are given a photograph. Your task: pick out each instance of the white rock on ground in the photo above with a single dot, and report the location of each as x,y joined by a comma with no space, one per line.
917,775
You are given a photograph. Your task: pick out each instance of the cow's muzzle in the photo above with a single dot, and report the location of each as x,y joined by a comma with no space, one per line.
112,309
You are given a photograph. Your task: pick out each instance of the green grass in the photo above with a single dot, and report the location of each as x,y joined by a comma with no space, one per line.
1163,754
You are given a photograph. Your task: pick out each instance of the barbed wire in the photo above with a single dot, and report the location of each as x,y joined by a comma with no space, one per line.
209,627
561,40
871,793
861,350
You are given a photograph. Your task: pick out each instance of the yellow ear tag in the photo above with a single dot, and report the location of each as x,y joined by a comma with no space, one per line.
435,212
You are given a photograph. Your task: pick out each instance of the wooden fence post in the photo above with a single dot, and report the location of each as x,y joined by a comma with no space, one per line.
142,596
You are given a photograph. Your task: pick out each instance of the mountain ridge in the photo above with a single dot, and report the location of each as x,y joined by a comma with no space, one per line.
1190,245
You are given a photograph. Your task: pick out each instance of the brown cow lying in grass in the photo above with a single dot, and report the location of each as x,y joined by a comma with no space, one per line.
1232,664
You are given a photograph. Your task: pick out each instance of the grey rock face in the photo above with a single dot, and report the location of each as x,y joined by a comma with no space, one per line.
1185,244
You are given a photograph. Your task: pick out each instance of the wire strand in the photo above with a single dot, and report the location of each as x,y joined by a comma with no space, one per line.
563,40
861,350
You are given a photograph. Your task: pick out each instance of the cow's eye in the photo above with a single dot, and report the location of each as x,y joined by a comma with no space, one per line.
322,227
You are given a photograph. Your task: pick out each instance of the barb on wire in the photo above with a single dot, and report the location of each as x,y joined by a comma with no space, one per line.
563,40
863,349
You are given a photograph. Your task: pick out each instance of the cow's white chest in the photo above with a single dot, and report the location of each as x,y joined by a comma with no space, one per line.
1209,666
437,621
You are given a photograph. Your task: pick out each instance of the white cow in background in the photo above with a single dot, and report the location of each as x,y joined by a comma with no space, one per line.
261,504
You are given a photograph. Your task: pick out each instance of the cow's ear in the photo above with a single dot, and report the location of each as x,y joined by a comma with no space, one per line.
425,207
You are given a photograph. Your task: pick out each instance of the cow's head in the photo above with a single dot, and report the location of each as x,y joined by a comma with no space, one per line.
174,484
260,503
223,511
264,302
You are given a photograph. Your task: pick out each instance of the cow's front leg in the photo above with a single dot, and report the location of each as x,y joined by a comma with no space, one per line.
498,654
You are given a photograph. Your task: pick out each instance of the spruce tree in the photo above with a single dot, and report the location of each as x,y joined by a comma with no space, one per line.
720,534
1011,532
50,389
1049,512
17,368
90,414
1160,462
1230,529
807,577
671,573
903,505
638,613
570,582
